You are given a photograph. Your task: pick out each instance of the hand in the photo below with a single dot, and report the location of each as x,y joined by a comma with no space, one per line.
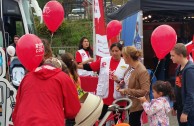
183,118
91,59
118,87
122,91
115,78
142,99
173,112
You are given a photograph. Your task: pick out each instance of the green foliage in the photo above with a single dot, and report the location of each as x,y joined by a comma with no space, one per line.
68,34
43,2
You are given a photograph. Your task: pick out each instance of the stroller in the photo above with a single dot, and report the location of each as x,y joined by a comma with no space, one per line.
92,107
17,72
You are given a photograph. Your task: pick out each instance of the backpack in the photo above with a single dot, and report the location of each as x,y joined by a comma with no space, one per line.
153,79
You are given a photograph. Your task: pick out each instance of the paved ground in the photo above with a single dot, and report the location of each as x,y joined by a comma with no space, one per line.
173,121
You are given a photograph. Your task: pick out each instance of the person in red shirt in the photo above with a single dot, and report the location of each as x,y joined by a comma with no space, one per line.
84,55
108,67
46,97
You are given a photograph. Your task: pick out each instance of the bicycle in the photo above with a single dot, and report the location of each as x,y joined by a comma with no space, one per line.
115,108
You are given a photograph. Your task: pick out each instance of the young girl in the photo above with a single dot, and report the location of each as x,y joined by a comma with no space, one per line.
68,59
158,108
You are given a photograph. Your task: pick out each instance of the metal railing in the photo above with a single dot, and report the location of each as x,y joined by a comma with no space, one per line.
61,50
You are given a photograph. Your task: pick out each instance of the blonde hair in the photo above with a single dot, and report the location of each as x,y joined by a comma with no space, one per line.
132,52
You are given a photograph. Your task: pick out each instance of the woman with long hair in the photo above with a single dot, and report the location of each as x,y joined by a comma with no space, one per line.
71,64
84,55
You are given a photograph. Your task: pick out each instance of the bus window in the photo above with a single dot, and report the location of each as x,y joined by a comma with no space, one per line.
11,17
19,28
29,16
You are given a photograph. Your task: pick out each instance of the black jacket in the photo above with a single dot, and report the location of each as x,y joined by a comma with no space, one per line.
187,89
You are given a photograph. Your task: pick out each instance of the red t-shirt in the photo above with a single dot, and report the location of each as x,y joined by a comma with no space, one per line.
78,56
95,66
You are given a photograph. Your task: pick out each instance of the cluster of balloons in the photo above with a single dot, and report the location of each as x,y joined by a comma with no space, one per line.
30,49
163,39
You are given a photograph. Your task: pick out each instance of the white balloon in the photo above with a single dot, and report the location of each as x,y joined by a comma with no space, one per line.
11,50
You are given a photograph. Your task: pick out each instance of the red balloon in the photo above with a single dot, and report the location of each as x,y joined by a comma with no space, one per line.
30,51
53,15
113,29
163,39
112,40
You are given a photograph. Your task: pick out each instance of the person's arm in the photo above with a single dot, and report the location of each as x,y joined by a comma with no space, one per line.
152,108
87,61
70,98
85,67
94,66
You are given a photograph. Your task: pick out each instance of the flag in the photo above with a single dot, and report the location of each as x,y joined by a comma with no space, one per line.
101,43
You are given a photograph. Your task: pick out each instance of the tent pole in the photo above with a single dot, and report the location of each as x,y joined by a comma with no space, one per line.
94,33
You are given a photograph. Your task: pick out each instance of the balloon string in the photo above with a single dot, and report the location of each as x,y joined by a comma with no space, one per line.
155,69
51,38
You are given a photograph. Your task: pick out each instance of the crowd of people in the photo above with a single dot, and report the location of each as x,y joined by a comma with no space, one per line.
50,94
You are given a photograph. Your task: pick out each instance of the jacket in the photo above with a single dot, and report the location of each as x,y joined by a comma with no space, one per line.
187,89
46,97
138,86
157,111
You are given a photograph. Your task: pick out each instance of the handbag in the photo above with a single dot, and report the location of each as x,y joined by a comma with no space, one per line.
144,118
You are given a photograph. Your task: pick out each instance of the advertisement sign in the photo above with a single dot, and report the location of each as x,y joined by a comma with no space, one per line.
132,31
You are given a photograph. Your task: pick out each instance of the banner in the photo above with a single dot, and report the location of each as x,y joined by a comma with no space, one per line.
101,43
132,31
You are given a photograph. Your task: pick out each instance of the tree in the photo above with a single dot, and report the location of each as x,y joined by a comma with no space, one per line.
43,2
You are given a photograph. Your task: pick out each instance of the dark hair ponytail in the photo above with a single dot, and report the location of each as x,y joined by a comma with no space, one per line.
164,87
68,59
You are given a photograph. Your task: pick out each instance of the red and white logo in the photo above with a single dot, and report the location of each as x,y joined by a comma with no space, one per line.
83,54
103,64
39,48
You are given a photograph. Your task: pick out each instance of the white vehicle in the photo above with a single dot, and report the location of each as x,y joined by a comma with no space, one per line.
16,19
77,13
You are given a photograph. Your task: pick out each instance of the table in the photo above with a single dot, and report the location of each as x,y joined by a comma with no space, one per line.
89,83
